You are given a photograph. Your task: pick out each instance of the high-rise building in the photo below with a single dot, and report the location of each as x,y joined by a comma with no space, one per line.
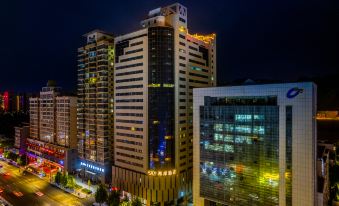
47,112
6,101
34,115
2,106
21,135
52,142
95,106
14,102
156,69
255,145
22,102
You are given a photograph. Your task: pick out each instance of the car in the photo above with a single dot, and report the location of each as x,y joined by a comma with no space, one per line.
1,190
39,193
6,173
18,194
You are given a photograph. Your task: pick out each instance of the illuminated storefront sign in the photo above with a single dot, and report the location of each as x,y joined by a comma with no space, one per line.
92,167
295,91
161,173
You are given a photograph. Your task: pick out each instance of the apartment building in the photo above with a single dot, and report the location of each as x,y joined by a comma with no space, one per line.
21,135
34,132
95,106
52,142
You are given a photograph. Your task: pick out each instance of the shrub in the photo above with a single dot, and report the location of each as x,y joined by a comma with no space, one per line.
76,186
87,191
58,178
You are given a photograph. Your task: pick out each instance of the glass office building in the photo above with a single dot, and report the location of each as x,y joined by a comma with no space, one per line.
239,149
255,145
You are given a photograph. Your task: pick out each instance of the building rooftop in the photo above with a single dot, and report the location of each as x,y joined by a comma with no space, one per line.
97,31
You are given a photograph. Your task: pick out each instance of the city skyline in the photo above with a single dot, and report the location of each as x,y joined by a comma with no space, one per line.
257,40
169,103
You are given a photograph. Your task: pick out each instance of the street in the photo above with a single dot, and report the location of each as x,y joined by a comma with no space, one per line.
34,191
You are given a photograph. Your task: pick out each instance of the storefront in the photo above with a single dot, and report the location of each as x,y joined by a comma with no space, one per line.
42,166
91,171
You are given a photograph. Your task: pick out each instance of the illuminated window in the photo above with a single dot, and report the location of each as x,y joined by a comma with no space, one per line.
258,117
228,148
229,127
243,139
92,54
243,117
218,137
258,130
218,127
154,85
243,129
168,85
228,138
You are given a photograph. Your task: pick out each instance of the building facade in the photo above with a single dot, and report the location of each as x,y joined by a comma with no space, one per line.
52,141
34,115
6,101
95,106
21,135
255,145
156,69
14,102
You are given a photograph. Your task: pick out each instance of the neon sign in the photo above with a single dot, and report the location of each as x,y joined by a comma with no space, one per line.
92,167
161,173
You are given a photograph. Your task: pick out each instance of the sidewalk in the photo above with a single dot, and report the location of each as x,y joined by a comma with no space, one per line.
80,182
76,193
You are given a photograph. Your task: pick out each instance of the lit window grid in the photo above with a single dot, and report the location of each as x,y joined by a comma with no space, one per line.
258,183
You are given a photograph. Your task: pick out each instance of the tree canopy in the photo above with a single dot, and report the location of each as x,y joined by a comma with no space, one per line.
101,194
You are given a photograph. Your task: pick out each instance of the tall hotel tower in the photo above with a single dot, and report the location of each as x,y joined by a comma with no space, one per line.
95,105
156,69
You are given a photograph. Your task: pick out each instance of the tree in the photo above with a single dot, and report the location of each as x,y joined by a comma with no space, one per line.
22,160
10,155
13,156
136,202
114,198
64,179
18,160
70,182
6,154
101,194
58,178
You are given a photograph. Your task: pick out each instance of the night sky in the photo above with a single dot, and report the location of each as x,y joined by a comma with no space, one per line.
268,39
